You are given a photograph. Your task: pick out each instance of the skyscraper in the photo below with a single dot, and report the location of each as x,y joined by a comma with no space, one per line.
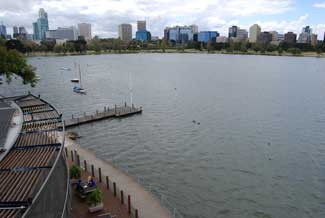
264,38
3,31
180,34
233,32
305,35
125,32
41,25
195,28
254,31
64,33
85,30
141,25
242,35
314,39
290,38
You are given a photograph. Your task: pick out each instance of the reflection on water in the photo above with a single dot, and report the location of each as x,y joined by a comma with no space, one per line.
259,150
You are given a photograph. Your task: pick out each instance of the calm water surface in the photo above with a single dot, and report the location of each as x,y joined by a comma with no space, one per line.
259,150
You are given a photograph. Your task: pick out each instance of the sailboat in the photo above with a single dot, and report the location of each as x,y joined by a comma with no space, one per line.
79,89
75,80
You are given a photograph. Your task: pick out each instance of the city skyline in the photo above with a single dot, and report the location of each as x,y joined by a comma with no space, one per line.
105,16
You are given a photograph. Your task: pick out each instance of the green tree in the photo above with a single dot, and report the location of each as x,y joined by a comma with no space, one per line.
13,63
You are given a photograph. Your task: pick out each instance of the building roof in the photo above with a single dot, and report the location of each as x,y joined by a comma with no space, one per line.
6,113
28,163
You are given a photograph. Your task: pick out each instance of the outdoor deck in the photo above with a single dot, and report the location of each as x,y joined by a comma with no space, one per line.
105,114
25,168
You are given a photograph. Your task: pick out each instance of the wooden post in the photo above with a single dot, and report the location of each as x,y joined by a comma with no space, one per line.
66,151
114,186
75,155
78,160
71,155
107,182
129,204
122,197
100,174
92,171
136,213
85,165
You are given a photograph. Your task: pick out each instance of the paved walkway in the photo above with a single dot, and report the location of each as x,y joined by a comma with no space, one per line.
148,206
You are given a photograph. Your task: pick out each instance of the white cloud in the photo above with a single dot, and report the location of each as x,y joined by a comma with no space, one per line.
319,5
105,15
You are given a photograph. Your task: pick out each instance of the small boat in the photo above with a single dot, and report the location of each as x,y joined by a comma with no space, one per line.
75,80
65,68
79,90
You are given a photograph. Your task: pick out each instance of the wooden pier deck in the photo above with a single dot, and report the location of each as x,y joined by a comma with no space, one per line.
114,112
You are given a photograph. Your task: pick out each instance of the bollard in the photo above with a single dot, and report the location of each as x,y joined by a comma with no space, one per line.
71,155
136,213
75,155
107,182
100,174
92,171
66,151
114,186
78,160
122,197
85,165
129,204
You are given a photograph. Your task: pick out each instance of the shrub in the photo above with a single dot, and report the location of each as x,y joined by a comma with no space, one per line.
75,172
95,197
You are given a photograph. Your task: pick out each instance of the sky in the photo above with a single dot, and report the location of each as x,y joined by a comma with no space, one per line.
217,15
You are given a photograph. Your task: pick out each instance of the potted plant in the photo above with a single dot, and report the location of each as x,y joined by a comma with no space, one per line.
75,174
95,201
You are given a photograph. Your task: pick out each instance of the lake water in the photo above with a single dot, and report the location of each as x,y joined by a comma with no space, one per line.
259,150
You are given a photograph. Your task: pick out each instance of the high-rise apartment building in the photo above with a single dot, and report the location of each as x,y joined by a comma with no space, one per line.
195,28
141,24
233,32
305,35
3,31
41,25
206,36
314,39
180,34
85,30
290,38
125,32
63,33
264,38
242,35
254,31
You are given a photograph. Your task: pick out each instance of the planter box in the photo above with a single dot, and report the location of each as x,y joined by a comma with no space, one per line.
96,208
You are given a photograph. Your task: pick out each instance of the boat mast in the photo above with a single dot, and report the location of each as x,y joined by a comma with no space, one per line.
130,88
80,77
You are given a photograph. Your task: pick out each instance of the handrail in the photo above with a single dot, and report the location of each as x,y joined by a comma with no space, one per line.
68,175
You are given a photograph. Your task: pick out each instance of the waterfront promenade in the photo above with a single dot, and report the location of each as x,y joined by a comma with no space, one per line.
148,206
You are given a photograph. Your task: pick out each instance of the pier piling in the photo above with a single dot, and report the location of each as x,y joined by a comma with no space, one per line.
107,182
85,165
78,160
100,174
122,197
114,187
92,171
129,204
136,213
72,156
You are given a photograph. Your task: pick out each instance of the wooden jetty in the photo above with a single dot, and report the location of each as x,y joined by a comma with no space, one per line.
107,113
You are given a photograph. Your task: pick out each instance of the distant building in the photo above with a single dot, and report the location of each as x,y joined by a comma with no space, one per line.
324,38
166,33
264,38
142,26
41,25
85,30
195,28
222,39
206,36
3,31
180,34
305,35
280,37
15,31
314,39
125,32
254,31
233,32
274,35
242,35
143,35
154,38
290,38
64,33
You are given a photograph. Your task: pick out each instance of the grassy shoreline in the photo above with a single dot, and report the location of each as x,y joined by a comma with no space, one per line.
173,51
